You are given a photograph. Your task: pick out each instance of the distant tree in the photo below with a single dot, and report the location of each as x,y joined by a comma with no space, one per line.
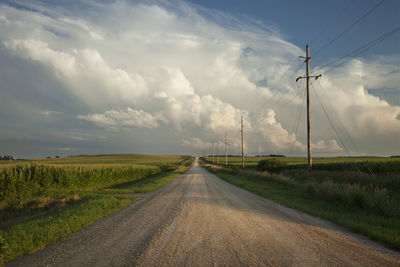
6,157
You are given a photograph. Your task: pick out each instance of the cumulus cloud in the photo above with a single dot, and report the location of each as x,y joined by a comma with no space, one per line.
49,113
197,143
326,147
65,149
115,119
195,72
276,136
369,120
85,71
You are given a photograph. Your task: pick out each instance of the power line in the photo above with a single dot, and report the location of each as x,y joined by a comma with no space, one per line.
278,106
348,28
339,62
277,91
283,95
330,121
298,119
317,36
333,110
337,134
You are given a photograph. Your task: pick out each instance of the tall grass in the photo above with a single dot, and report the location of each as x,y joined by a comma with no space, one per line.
45,200
23,182
371,167
372,199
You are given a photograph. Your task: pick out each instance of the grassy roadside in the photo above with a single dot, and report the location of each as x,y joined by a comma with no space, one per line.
290,190
31,235
61,213
149,184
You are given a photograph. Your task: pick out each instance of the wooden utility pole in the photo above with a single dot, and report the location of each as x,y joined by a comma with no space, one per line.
241,123
213,153
226,154
308,109
217,154
307,60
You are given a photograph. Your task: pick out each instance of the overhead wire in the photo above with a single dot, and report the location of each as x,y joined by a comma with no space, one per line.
319,34
337,134
348,28
335,113
277,91
342,60
298,119
278,106
330,121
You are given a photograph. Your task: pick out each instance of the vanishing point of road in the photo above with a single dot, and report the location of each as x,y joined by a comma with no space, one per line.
201,220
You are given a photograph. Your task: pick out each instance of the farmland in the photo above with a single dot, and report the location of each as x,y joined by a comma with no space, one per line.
253,160
99,160
44,200
361,194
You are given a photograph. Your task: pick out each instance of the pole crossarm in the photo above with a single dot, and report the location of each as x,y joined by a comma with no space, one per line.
305,77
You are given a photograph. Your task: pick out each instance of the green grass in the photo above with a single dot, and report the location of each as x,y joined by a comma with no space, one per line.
252,161
21,183
148,184
34,213
114,159
341,197
34,234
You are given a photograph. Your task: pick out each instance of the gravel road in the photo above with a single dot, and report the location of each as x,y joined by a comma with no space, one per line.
200,220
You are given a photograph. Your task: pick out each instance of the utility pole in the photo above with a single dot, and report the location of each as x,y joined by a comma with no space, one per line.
307,60
226,154
217,154
213,153
241,123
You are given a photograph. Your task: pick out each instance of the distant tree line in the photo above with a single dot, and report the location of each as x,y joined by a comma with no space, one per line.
6,157
272,155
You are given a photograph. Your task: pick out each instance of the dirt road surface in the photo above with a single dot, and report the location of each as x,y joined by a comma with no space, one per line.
200,220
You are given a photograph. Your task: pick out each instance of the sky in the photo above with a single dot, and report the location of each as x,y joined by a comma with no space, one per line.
172,77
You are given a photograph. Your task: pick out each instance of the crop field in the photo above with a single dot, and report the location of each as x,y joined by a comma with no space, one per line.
252,161
360,164
98,160
43,200
362,194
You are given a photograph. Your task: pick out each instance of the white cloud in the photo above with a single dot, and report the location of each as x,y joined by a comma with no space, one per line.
115,119
196,71
278,137
85,71
370,121
197,143
65,149
326,147
49,113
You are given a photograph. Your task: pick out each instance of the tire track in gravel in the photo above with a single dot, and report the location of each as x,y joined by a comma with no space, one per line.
201,220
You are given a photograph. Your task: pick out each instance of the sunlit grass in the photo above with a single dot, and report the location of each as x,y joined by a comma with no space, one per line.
41,204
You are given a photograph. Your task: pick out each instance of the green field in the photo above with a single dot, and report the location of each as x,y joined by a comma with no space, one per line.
362,194
371,165
112,159
252,161
44,200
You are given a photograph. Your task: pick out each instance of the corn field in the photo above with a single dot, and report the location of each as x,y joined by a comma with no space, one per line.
19,182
